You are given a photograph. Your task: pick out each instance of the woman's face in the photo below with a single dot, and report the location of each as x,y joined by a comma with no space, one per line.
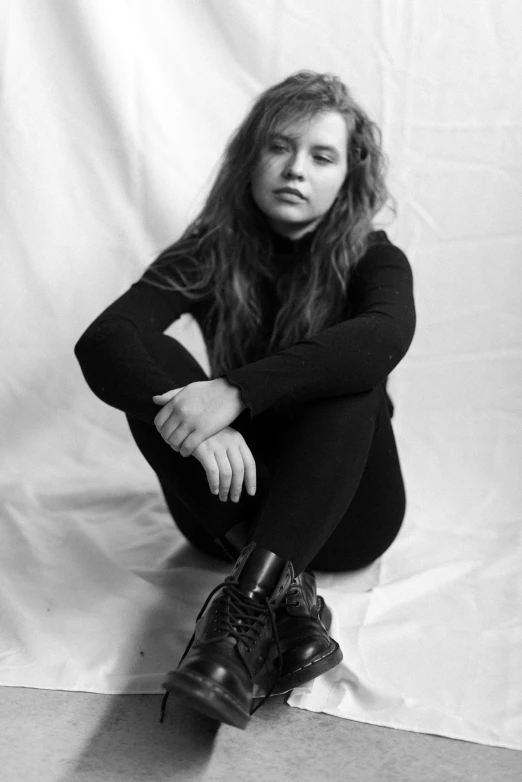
300,172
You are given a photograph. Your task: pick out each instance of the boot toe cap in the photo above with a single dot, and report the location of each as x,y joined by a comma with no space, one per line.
221,671
307,653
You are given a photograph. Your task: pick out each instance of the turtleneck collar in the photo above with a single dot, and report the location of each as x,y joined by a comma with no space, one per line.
284,246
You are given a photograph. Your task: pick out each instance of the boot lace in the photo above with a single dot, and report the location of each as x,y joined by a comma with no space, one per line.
239,617
292,592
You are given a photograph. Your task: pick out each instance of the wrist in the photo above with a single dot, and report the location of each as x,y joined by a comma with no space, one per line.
235,393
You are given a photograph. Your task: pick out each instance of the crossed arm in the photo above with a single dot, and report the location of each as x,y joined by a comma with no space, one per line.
194,421
350,357
191,414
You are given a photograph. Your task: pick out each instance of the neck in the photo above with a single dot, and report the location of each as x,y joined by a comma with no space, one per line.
293,232
292,246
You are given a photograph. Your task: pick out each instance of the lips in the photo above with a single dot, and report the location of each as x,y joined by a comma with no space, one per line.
290,191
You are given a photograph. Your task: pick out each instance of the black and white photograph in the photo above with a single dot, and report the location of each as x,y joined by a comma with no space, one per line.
261,390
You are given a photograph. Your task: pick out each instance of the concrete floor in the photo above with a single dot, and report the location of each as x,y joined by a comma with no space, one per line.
49,736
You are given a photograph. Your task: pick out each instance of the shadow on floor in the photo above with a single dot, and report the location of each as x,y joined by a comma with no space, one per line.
130,740
130,735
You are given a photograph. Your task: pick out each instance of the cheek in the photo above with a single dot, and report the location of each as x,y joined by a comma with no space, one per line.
332,188
262,177
267,169
257,178
259,185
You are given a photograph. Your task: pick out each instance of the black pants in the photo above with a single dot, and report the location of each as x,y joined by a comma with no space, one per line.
330,493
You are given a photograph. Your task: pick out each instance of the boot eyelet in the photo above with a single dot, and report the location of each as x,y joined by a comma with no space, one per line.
297,603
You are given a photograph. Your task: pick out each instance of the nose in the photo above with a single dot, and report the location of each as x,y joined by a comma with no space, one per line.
294,168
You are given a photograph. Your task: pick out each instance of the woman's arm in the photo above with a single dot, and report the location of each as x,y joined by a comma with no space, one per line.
352,356
113,353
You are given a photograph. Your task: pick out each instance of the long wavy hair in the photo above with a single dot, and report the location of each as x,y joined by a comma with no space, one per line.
224,254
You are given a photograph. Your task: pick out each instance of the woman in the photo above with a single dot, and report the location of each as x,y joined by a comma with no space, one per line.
305,310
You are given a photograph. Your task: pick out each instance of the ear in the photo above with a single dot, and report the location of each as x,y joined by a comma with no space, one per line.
360,141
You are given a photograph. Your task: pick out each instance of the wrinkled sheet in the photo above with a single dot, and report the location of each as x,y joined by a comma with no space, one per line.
113,116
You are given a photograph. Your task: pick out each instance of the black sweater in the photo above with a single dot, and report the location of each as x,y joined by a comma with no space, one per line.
354,355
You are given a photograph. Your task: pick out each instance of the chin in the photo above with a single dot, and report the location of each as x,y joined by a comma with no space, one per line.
290,215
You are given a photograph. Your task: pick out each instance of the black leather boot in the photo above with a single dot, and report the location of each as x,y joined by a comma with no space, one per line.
303,621
234,652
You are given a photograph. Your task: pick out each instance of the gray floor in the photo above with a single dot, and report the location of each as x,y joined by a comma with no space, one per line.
48,736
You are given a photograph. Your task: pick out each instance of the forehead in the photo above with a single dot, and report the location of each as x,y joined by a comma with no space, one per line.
323,129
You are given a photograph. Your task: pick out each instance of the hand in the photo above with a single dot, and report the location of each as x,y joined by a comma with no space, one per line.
195,412
227,461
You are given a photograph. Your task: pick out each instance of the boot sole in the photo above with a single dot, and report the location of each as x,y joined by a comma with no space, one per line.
316,667
207,697
310,671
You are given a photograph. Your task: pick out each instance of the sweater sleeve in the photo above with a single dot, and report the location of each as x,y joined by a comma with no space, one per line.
113,352
352,356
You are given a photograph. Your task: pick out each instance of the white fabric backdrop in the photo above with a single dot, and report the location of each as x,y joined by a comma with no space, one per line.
114,113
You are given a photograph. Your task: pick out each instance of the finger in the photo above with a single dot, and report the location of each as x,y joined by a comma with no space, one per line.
205,456
164,414
177,439
168,409
170,427
238,471
162,399
193,439
212,471
250,469
225,475
173,432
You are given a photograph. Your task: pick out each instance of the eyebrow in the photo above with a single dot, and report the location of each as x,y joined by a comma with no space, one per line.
290,139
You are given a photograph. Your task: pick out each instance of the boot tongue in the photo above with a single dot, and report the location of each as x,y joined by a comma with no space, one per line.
260,574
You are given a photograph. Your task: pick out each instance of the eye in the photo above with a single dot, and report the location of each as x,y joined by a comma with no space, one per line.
277,147
322,160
